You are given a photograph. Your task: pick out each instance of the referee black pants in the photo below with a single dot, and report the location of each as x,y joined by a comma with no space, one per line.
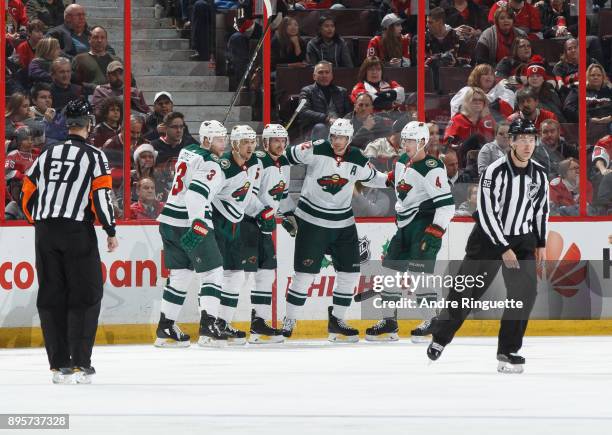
484,259
69,290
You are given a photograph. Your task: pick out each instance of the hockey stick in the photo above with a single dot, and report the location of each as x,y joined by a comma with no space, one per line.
298,109
364,296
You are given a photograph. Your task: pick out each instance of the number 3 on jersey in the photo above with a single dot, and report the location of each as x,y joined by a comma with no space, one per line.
181,170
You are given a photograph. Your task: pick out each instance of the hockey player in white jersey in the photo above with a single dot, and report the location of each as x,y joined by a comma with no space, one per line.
258,251
326,224
424,208
187,232
239,169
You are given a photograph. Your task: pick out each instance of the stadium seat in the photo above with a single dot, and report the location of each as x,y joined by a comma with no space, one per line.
358,22
605,23
549,49
570,132
437,108
596,132
453,78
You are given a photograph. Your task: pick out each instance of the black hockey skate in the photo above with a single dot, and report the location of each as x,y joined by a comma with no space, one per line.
288,326
83,375
384,330
210,336
340,331
233,336
510,363
261,332
170,335
421,334
434,350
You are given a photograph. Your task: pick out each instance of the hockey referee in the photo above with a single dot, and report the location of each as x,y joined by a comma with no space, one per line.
64,192
510,230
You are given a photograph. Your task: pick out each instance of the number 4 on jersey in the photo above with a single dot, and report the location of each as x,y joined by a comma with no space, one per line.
438,184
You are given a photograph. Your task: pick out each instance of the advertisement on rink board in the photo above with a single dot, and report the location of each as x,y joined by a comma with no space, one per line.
135,274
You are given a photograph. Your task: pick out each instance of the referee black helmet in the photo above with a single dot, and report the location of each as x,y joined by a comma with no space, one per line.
522,126
79,113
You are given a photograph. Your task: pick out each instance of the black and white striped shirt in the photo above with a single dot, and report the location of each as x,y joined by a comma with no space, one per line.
70,180
513,201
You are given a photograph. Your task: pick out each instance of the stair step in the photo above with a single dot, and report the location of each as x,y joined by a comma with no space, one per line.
137,23
160,55
171,68
194,126
201,113
155,34
117,12
160,44
182,83
197,98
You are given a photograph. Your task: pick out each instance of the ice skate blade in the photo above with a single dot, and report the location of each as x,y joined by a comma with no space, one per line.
339,338
168,342
265,339
391,336
62,379
82,378
204,341
505,367
420,339
236,341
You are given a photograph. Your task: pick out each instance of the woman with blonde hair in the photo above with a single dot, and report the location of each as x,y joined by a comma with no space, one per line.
501,99
47,50
599,97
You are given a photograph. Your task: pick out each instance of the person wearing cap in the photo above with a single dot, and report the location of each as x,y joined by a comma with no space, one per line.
543,85
145,158
528,108
391,46
114,88
163,104
90,68
328,45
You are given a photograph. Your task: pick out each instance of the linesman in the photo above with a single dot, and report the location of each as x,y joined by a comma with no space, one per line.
65,191
511,230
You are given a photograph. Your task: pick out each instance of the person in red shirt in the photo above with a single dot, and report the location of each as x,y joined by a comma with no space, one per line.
391,46
17,14
528,102
25,50
23,157
601,155
527,17
565,189
147,207
385,95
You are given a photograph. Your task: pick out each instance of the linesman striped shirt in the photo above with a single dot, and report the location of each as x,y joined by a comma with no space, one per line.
69,180
513,201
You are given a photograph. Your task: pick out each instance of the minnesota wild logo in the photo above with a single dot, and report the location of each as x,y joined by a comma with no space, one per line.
277,191
241,193
402,189
332,183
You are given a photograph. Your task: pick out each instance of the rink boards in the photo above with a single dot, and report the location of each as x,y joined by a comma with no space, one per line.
135,274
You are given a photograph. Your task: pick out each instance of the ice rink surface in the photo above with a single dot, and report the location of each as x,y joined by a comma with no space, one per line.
320,388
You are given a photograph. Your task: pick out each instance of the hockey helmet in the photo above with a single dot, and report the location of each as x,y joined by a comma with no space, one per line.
78,113
416,130
240,132
522,126
342,127
212,129
274,130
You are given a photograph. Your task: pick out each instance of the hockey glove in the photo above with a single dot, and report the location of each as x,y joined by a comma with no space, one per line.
432,239
390,179
290,224
265,220
192,238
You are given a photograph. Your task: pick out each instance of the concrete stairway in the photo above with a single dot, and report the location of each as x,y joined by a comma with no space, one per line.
160,61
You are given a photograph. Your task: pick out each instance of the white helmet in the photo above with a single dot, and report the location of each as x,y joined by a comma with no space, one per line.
416,130
211,129
274,130
342,127
240,132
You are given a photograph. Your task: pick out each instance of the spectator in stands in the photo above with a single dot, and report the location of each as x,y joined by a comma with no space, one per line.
318,4
467,18
368,202
565,189
552,148
25,51
238,48
366,124
202,29
526,17
601,155
147,207
528,107
288,47
547,95
162,105
113,147
388,147
472,126
17,112
45,118
386,96
500,97
557,19
328,45
434,148
47,50
566,70
442,44
170,145
325,102
496,149
50,12
604,196
495,43
114,88
468,207
109,116
73,34
61,89
13,210
24,154
144,167
391,46
599,97
458,187
16,14
90,68
516,63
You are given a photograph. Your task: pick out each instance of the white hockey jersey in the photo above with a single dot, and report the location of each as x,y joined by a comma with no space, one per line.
197,178
326,195
422,189
272,185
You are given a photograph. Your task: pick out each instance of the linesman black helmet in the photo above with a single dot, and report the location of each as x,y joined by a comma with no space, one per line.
522,126
78,113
